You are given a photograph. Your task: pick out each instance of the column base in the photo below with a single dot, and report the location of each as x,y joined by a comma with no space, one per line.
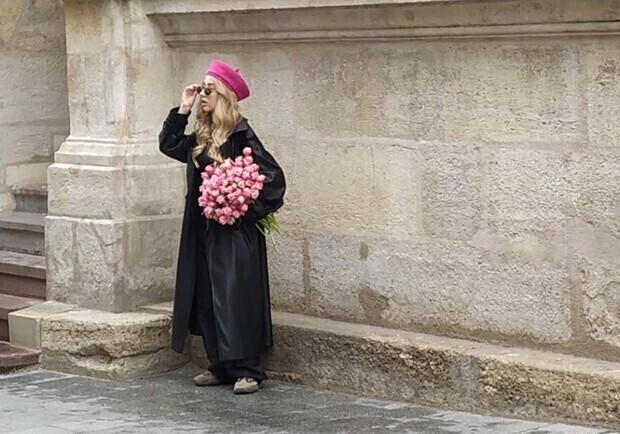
104,344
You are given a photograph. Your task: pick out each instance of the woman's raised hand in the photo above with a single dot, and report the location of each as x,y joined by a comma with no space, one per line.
188,98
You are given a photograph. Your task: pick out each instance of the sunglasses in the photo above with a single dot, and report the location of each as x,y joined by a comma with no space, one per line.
204,89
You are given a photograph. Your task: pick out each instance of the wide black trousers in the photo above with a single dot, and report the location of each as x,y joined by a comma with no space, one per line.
203,320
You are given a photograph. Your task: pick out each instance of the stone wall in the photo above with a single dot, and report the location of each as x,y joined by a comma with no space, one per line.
34,116
453,166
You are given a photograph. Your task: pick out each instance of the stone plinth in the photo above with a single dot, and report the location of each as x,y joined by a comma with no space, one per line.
108,345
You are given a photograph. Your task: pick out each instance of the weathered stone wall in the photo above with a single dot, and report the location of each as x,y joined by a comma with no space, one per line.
453,166
34,116
460,180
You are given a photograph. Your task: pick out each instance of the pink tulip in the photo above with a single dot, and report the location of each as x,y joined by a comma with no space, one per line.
254,194
241,199
247,151
244,208
236,214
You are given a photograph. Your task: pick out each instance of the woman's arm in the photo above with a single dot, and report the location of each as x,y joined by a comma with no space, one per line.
271,197
173,141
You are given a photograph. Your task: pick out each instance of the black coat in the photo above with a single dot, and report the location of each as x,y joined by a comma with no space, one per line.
236,255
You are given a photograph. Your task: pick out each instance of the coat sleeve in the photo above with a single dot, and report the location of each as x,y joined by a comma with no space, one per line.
173,141
272,196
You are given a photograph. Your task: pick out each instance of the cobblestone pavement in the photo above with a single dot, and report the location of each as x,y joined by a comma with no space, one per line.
45,402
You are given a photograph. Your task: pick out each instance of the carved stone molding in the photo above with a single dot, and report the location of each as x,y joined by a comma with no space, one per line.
192,22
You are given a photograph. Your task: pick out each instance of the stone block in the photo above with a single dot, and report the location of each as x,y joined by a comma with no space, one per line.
602,75
61,258
138,366
286,272
41,76
439,287
597,199
27,174
538,191
111,266
149,257
85,191
154,190
509,92
7,202
33,26
150,68
25,324
97,84
601,299
529,191
451,195
85,264
356,187
28,144
86,333
555,386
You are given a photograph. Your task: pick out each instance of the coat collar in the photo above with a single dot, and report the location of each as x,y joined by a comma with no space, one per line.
240,126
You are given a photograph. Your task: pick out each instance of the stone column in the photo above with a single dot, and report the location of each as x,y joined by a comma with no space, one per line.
114,201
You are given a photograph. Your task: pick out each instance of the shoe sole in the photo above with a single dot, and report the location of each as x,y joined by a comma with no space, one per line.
247,391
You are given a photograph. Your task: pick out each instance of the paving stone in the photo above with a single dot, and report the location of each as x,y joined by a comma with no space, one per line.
46,402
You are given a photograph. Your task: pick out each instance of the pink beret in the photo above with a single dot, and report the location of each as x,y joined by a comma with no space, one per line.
230,77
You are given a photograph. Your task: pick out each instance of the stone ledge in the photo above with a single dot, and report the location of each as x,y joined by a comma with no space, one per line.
98,333
108,345
191,22
25,324
444,372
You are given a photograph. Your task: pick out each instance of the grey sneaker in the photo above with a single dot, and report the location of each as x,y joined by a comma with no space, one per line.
245,385
206,379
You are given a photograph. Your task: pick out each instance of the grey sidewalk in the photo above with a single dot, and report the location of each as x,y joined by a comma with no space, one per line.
45,402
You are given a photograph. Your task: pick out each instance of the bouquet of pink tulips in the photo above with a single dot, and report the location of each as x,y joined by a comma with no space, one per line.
228,190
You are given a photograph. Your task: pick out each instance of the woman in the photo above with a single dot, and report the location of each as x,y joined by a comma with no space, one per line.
222,286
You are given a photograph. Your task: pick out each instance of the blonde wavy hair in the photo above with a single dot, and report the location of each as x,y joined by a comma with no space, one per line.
212,129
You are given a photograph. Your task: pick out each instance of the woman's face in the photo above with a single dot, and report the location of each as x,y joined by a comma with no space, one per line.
208,102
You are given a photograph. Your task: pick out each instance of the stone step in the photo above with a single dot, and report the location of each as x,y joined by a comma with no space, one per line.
440,371
22,275
13,357
11,303
32,198
8,304
23,232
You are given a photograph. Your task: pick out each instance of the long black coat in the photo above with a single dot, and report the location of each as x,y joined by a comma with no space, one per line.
236,255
